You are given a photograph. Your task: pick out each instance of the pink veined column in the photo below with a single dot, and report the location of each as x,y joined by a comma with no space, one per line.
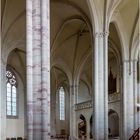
46,69
29,65
38,69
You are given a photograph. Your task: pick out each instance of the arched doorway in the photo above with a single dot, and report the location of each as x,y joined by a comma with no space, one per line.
113,124
82,127
91,124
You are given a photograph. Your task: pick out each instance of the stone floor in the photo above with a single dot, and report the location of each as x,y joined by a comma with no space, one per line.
114,138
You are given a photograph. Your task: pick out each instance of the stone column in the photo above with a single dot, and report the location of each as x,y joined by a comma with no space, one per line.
138,89
134,72
88,128
121,103
100,87
2,90
76,87
53,110
127,99
2,100
73,101
38,69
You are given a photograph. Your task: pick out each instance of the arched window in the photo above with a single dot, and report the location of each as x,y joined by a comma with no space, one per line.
61,103
11,97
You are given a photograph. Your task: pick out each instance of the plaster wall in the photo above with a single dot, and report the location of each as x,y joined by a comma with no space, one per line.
15,127
83,94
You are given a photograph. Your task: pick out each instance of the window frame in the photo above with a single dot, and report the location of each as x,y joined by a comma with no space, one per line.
11,92
62,117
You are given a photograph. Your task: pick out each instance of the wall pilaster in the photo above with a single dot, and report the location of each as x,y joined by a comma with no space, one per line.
2,100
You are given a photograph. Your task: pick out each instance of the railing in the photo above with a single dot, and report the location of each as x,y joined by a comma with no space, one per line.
63,138
114,97
88,104
60,137
84,105
18,138
72,138
136,135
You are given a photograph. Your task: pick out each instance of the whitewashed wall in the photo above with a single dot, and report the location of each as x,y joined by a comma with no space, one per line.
15,127
83,94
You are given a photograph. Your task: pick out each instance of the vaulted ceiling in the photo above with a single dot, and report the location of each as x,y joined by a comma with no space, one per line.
71,31
13,31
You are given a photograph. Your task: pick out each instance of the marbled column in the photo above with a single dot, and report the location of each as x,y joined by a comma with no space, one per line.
100,87
46,69
38,69
2,100
127,99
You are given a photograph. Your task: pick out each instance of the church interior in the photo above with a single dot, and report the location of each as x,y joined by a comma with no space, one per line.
91,88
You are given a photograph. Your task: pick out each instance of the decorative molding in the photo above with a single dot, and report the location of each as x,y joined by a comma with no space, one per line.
84,105
115,97
102,34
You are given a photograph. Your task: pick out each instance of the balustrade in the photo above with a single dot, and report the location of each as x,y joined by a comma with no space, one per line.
88,104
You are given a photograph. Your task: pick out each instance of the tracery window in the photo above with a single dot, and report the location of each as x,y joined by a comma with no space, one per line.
11,96
61,103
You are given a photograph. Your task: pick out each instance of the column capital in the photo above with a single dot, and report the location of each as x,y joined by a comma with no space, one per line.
134,60
131,60
101,34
